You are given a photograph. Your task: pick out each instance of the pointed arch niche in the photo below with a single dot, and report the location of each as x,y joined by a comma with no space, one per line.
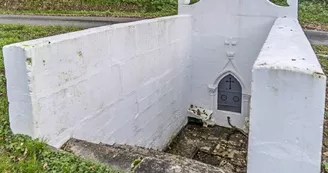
229,99
229,94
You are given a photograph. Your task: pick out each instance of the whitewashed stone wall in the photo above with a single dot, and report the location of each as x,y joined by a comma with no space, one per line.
288,101
227,38
126,83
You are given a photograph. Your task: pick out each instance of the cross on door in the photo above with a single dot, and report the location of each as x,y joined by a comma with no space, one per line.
230,81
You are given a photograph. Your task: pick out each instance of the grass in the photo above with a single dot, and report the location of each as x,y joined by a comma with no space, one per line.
280,2
312,15
120,8
135,14
323,50
19,153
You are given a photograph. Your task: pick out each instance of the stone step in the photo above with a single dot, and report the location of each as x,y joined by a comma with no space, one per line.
138,160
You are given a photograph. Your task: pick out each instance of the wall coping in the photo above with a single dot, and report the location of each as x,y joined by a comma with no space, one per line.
287,48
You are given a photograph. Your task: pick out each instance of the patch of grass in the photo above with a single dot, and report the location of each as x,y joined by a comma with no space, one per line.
324,64
19,153
280,2
320,49
92,13
126,8
323,50
314,15
194,1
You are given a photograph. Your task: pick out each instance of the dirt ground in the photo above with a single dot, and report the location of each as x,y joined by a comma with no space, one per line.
217,146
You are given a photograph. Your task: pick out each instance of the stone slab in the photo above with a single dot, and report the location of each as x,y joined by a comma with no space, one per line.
138,160
217,146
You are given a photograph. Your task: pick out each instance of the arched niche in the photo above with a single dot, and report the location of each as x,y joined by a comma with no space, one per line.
230,98
229,94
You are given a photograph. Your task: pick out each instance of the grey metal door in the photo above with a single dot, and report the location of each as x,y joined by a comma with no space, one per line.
229,94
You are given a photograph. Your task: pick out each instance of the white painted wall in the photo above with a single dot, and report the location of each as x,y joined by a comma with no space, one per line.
126,83
287,105
227,38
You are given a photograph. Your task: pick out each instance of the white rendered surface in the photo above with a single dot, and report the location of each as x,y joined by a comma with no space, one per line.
227,38
287,105
125,83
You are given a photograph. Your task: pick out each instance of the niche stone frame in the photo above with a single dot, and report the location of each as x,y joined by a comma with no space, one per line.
229,94
225,102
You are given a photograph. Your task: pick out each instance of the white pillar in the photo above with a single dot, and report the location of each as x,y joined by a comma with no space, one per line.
287,104
286,122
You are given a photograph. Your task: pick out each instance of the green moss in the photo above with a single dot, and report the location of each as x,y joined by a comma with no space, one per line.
80,53
19,153
25,45
135,163
29,61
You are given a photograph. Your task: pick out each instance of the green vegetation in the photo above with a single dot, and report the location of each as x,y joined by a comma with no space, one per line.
280,2
126,8
194,1
90,13
313,14
20,153
135,163
322,50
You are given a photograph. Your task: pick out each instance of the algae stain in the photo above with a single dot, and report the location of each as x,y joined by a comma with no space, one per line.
25,45
135,163
65,77
318,74
80,53
29,60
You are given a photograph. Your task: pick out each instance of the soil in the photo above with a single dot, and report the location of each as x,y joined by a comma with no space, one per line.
218,146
